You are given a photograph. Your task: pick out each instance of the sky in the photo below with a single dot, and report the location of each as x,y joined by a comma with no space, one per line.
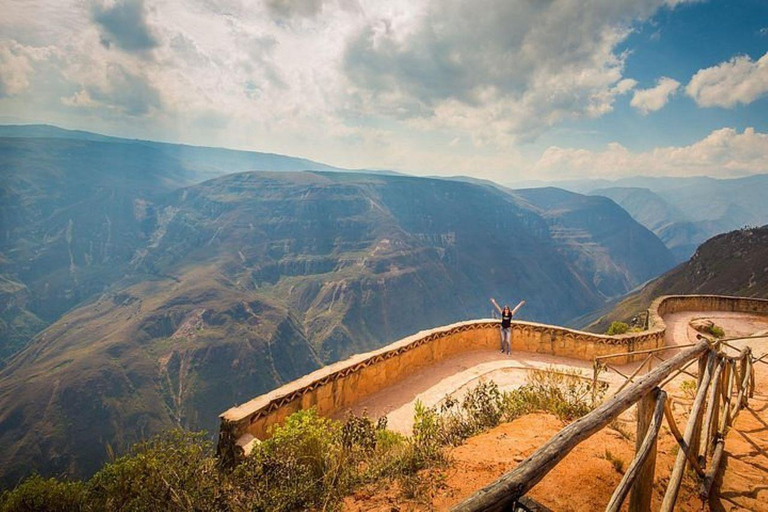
508,90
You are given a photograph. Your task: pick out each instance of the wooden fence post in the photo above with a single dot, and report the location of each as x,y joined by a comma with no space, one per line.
694,418
642,490
744,372
712,416
752,380
696,439
727,384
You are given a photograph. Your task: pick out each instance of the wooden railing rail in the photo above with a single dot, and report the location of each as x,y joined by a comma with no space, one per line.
712,413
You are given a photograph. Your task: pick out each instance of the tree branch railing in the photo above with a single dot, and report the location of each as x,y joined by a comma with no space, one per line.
712,413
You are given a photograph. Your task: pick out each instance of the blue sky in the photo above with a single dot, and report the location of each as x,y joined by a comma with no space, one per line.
502,89
677,43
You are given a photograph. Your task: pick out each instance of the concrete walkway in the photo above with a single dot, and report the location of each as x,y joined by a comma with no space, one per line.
455,375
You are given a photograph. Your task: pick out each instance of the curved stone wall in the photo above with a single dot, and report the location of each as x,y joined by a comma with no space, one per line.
340,385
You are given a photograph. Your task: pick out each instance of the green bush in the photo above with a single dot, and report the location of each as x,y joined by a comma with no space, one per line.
617,328
717,331
300,466
689,388
428,436
37,494
176,470
567,395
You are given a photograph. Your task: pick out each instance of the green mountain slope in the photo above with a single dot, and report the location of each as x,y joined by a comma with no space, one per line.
734,263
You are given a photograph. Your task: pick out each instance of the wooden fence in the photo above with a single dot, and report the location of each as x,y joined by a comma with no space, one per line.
714,409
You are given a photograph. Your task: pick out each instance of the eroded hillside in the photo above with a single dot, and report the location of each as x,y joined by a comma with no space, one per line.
734,263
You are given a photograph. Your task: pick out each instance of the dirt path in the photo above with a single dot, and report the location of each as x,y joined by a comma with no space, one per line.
585,479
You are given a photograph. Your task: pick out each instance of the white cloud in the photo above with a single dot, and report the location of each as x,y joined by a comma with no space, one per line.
511,68
654,98
17,63
16,69
434,64
739,80
724,152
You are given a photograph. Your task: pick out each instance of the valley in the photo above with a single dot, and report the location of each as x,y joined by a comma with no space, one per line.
137,298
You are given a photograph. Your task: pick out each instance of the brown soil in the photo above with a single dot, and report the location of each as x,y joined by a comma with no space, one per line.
585,479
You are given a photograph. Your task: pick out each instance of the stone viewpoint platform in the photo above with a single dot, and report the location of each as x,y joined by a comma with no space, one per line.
454,356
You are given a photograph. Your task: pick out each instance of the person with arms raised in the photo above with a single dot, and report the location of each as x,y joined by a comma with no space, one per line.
506,324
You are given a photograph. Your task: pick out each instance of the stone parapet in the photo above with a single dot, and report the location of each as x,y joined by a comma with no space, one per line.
338,386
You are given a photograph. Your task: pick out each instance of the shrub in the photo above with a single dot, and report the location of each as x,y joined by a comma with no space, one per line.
37,494
481,408
567,395
617,328
176,470
717,331
360,432
300,466
309,462
428,436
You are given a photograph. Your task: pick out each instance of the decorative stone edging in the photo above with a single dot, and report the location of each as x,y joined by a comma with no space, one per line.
339,385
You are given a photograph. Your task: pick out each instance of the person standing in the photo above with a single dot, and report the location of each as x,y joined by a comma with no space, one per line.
506,324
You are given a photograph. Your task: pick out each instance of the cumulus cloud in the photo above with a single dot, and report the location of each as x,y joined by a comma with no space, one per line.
654,98
737,81
522,66
724,152
16,68
121,90
124,23
17,65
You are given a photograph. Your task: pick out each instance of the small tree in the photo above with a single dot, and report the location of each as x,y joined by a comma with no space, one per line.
617,328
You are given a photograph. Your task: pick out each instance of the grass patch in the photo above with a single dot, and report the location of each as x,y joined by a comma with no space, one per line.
309,462
617,463
717,331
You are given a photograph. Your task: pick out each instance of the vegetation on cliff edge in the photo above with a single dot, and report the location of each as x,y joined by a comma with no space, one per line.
310,462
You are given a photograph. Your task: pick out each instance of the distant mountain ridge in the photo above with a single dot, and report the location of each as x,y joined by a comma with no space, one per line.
684,212
201,162
585,227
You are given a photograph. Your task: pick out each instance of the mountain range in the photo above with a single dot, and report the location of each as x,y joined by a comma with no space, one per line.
684,212
137,294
